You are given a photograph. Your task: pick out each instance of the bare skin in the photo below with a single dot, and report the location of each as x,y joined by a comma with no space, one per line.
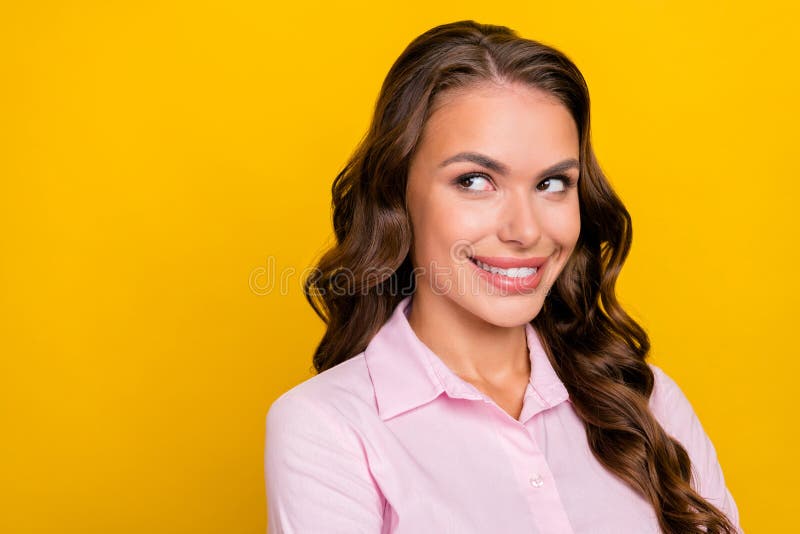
504,382
524,212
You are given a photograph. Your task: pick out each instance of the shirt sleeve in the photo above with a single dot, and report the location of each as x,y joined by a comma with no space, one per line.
676,415
317,476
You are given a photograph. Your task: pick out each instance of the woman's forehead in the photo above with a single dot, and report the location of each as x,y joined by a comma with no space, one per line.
488,88
507,121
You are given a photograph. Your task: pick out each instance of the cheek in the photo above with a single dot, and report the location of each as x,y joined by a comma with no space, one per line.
440,222
564,225
426,220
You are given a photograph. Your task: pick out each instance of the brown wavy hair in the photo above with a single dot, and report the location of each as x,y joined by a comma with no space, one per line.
596,348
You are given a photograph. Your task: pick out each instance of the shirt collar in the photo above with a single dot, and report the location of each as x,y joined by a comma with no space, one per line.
406,373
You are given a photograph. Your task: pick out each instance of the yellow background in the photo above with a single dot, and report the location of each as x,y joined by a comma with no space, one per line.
157,156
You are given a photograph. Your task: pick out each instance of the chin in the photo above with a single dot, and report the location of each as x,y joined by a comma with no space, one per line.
505,311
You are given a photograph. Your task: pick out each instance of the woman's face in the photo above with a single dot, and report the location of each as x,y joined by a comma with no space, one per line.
494,177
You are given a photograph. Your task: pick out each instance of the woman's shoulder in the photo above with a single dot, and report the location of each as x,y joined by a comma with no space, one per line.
315,448
677,416
342,391
665,389
668,402
670,405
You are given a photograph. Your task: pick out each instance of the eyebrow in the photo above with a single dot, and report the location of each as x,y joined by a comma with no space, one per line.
502,169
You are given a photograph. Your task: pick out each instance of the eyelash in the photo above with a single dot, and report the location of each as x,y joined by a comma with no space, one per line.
568,181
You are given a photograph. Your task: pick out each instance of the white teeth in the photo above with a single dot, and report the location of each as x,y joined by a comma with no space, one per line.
514,272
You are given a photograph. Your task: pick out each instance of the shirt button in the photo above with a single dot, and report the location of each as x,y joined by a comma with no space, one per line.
537,481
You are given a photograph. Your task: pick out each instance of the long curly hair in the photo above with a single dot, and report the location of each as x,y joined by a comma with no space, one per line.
595,347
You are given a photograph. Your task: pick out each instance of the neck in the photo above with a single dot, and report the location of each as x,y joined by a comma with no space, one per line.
471,347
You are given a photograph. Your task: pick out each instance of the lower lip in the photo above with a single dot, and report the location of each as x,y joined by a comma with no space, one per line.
509,284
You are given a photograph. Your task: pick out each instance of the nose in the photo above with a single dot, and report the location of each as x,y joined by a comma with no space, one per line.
519,221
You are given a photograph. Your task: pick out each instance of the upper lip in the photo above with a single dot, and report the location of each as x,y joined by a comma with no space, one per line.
505,262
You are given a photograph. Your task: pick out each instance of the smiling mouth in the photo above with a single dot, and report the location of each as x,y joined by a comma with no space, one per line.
511,272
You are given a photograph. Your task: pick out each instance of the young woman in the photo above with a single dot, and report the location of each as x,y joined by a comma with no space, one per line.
478,374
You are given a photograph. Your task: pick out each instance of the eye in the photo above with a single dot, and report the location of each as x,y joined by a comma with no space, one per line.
474,183
562,183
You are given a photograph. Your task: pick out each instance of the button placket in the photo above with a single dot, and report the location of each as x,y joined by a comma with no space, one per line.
532,471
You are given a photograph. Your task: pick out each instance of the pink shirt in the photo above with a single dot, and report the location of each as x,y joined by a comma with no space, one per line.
392,441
